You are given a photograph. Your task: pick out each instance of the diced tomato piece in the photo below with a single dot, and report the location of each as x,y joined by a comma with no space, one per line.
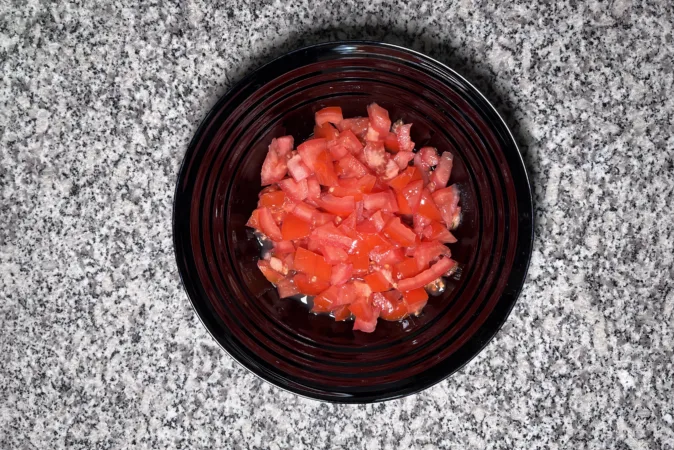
268,224
294,228
375,156
350,141
378,220
391,170
420,223
309,151
399,232
412,193
360,261
387,255
366,315
379,119
415,300
341,273
297,191
426,252
270,274
274,167
406,269
358,125
403,207
437,270
331,114
330,235
282,145
283,247
442,172
392,309
312,264
372,135
326,131
326,300
254,221
427,207
403,159
272,200
372,240
377,281
297,169
384,201
337,150
305,212
310,285
286,288
325,170
391,142
350,167
447,201
429,155
340,206
341,313
404,178
314,188
438,232
323,218
334,255
404,141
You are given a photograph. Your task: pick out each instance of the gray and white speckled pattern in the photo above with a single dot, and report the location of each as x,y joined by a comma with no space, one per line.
99,347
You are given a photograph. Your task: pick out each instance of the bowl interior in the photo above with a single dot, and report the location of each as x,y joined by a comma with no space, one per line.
278,338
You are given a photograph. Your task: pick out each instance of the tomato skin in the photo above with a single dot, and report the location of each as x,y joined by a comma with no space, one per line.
326,131
418,281
415,300
308,286
268,224
379,118
294,190
294,228
400,233
331,114
340,206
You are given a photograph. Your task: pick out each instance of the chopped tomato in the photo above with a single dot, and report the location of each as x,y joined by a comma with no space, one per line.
310,286
415,300
270,274
404,141
400,233
438,232
286,288
427,207
338,210
341,313
331,114
340,206
385,201
297,169
272,200
350,167
350,141
442,172
437,270
268,224
341,273
406,269
358,125
294,228
326,300
403,159
326,131
297,191
274,167
379,119
377,281
412,193
391,142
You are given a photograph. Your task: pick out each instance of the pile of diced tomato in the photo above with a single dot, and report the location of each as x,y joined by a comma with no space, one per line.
358,219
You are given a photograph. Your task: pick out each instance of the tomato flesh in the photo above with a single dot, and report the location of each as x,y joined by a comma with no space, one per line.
357,218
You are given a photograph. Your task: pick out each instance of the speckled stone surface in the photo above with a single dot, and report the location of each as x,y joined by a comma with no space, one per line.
99,346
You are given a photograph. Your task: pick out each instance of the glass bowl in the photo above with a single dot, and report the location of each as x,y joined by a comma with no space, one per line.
279,339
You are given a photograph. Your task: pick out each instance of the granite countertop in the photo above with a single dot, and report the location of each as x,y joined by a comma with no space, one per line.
99,346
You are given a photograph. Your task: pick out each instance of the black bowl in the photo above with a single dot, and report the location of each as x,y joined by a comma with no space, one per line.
278,339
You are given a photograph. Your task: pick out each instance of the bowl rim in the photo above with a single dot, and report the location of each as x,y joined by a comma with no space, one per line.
524,239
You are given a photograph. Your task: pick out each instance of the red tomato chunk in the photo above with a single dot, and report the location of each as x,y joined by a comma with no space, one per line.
353,224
